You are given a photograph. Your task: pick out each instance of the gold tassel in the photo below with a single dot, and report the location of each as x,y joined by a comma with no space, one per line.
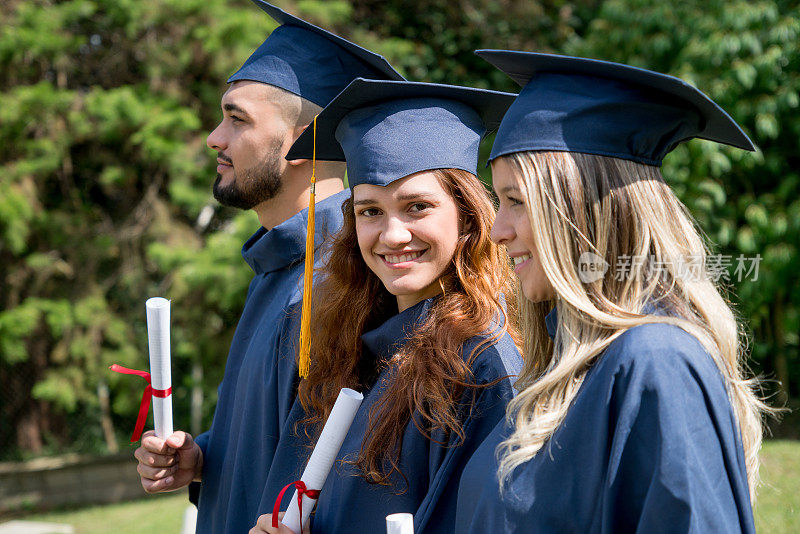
305,319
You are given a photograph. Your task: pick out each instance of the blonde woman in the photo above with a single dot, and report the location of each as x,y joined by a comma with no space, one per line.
633,411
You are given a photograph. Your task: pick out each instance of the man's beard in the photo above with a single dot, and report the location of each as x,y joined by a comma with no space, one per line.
250,187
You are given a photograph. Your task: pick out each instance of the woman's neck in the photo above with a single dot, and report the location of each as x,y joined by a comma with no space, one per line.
404,302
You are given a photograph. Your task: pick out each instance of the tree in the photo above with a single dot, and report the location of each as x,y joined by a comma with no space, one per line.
106,106
744,55
106,179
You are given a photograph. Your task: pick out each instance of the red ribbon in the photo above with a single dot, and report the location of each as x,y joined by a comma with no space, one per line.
149,392
300,486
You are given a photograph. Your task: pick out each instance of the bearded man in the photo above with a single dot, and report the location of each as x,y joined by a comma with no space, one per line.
270,101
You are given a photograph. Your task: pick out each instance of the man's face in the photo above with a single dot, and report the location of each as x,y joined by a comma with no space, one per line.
250,143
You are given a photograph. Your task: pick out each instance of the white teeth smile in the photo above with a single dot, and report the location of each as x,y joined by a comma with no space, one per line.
520,259
403,257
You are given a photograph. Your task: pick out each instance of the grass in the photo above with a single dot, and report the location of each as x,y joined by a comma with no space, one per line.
155,513
777,509
778,504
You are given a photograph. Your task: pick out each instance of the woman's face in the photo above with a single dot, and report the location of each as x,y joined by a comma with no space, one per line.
407,232
512,228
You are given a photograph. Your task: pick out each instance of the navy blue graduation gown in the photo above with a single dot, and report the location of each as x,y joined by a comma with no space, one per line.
347,502
650,444
259,385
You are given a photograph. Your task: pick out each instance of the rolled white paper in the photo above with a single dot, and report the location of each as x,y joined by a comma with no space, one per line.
324,454
400,523
160,375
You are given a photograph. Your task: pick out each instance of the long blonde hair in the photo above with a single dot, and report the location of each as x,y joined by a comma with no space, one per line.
582,204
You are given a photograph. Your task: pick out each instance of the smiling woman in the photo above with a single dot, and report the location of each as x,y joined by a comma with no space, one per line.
512,228
410,309
634,412
408,232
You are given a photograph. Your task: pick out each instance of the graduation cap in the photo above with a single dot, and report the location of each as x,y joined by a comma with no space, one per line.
598,107
387,130
308,61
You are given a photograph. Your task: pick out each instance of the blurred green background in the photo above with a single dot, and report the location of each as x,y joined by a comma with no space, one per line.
105,179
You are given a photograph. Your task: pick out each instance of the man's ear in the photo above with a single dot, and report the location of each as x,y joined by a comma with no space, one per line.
298,131
297,162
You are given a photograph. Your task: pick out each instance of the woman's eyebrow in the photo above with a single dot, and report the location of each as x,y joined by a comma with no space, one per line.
416,196
509,189
403,197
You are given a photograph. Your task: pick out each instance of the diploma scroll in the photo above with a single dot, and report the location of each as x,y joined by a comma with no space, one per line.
160,375
400,523
324,454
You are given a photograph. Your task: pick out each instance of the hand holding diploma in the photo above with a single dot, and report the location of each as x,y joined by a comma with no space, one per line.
167,460
317,469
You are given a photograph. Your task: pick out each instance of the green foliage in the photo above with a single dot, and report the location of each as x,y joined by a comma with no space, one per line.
106,178
104,172
744,55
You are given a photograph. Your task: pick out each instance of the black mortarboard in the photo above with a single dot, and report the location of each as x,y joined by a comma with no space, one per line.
598,107
387,130
308,61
